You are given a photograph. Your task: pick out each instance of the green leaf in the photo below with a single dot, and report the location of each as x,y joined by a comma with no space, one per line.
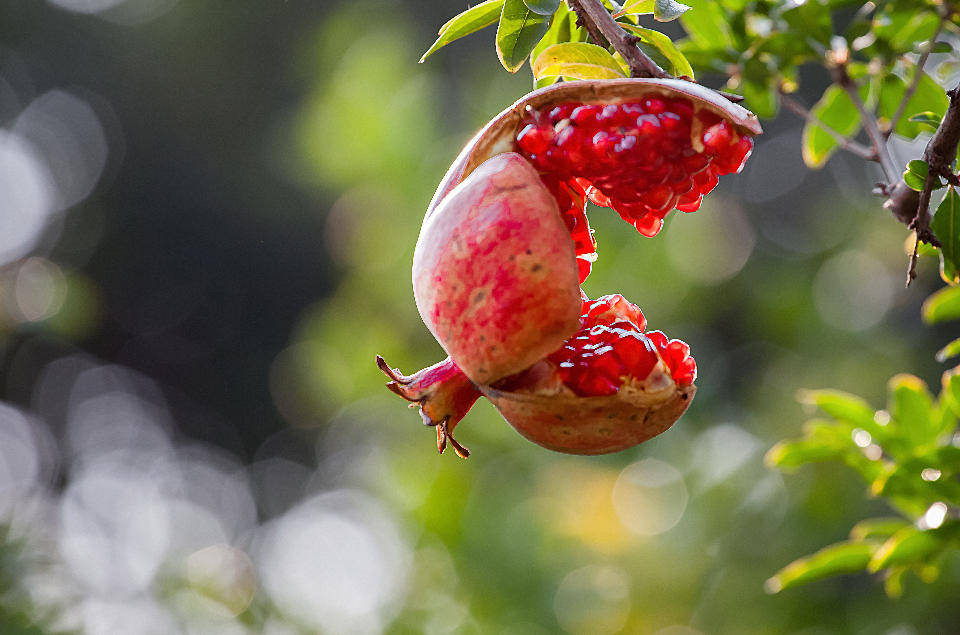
948,272
841,405
907,546
787,455
919,167
678,63
877,528
911,407
836,559
928,119
823,441
942,306
915,176
946,227
810,19
941,47
913,181
835,109
577,60
950,387
893,583
519,32
921,26
928,98
708,27
949,351
635,7
542,7
470,21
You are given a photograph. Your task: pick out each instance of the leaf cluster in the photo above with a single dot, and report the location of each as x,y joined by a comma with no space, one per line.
548,34
907,454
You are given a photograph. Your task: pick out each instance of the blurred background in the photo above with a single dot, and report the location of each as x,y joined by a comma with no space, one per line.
207,216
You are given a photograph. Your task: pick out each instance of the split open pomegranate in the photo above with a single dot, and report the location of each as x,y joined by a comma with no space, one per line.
506,242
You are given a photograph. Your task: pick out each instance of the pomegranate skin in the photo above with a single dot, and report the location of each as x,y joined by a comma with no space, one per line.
494,271
564,422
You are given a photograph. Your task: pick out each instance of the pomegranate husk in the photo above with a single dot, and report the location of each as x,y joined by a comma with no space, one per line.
567,423
499,134
494,271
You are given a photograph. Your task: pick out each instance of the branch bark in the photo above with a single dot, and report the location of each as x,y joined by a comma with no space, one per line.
597,20
869,121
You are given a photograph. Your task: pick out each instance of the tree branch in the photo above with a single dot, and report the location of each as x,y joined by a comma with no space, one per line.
845,143
869,121
939,155
598,22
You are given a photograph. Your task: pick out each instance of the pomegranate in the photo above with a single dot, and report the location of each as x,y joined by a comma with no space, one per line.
506,242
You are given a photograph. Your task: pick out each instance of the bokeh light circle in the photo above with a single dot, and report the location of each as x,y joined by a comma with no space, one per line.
650,497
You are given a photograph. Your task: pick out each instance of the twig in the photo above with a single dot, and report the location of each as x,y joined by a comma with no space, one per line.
921,224
939,155
917,76
598,21
846,143
869,121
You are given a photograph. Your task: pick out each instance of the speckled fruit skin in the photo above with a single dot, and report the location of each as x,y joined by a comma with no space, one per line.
494,273
487,227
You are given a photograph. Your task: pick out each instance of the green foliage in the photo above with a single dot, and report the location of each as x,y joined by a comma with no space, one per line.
519,31
906,456
679,65
946,226
471,20
836,110
942,306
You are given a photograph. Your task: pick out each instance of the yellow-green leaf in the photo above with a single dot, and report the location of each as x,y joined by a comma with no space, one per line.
836,559
577,60
877,528
949,351
470,21
634,7
942,306
905,547
662,10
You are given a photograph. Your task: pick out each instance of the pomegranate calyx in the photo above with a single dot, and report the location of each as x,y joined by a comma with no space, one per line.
443,393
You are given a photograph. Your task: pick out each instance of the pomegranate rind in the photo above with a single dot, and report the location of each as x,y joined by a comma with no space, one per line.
566,423
498,135
494,271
